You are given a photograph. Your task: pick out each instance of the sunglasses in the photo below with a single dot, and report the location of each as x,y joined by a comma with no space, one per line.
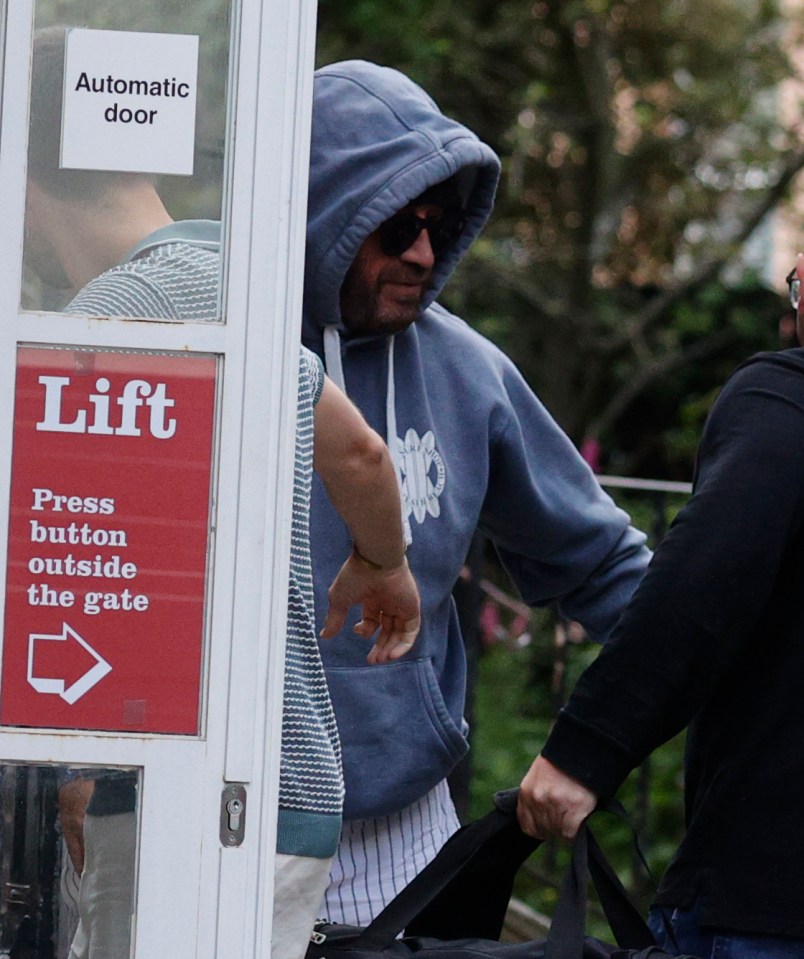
401,231
794,288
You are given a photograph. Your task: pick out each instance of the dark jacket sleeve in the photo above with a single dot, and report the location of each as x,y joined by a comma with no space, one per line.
706,587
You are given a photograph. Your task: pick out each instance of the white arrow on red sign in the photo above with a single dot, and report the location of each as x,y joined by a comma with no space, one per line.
54,684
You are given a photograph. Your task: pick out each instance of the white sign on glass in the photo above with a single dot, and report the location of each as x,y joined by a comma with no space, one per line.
129,101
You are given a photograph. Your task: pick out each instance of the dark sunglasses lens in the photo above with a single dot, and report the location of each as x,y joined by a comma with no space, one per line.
444,230
399,233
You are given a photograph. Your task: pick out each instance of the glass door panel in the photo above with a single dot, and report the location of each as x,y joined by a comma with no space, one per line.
61,825
126,157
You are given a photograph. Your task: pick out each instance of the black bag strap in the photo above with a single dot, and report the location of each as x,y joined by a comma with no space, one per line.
567,929
626,922
474,903
416,907
462,847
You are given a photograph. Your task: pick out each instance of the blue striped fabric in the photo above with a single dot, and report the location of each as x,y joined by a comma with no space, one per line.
377,858
173,281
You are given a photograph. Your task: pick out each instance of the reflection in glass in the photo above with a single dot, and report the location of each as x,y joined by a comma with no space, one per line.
67,839
83,224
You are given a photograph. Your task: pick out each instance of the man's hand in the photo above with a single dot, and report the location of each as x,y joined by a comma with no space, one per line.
551,802
390,604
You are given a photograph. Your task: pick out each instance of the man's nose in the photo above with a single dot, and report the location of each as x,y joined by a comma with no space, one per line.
420,252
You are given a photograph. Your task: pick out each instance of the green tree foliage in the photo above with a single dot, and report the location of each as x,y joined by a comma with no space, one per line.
642,146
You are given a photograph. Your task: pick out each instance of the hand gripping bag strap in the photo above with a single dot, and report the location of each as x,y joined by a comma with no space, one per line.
456,853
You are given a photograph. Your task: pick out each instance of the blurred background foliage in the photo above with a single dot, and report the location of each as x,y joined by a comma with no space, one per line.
625,269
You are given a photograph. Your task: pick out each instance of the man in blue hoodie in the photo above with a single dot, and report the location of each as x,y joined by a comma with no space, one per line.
398,192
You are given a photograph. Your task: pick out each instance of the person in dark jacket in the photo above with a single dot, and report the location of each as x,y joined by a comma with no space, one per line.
398,192
712,640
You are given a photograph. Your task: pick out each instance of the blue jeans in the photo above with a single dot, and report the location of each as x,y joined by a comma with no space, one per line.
708,942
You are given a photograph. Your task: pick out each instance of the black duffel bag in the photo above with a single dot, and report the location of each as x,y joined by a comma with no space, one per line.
455,907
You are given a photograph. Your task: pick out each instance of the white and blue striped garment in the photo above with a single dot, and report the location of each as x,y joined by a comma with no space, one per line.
377,858
311,777
175,280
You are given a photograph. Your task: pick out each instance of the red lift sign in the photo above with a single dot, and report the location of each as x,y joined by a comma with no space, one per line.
108,540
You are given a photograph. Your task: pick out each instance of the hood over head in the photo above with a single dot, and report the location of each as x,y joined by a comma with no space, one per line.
379,142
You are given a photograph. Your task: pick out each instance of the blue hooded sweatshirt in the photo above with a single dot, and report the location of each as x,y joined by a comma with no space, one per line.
473,446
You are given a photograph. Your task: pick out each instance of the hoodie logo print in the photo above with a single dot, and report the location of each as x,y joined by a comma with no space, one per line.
422,475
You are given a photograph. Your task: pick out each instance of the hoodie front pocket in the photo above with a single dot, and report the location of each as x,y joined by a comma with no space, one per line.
397,735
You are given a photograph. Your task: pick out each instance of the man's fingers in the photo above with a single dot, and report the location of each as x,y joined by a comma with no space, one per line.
386,654
541,825
367,626
334,620
526,821
397,637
